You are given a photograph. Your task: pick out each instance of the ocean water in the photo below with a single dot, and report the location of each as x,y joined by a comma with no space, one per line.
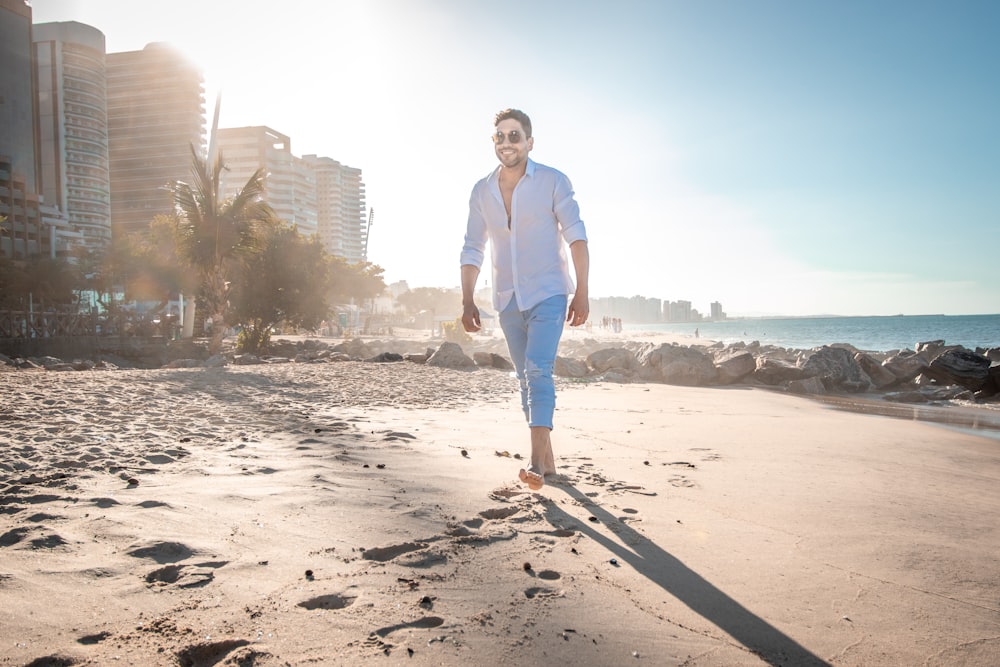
879,334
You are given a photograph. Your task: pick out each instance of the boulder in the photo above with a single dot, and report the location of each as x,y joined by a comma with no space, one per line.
906,365
612,358
837,369
5,360
216,361
810,385
47,361
733,364
879,374
959,366
354,348
450,355
492,360
570,368
385,357
674,364
773,371
60,367
247,360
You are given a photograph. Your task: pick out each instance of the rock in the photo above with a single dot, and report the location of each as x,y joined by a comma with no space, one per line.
810,385
837,369
354,348
450,355
570,368
879,374
247,360
612,358
216,361
47,361
417,358
492,360
59,367
83,365
959,366
906,365
674,364
929,348
772,371
992,385
734,364
914,396
277,360
991,353
386,357
616,377
5,360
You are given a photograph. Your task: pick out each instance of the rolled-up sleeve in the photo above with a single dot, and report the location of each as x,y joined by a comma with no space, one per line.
476,234
567,212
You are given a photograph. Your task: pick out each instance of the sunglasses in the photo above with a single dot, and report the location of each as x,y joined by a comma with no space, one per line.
514,137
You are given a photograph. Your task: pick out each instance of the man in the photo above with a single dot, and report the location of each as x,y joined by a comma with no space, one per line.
527,213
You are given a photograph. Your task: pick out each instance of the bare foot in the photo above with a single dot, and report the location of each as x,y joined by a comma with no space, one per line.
532,479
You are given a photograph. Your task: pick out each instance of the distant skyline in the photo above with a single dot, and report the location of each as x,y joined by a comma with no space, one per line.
779,157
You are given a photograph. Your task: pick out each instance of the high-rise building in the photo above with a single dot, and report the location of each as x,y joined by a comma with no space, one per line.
340,201
289,184
72,112
21,233
156,115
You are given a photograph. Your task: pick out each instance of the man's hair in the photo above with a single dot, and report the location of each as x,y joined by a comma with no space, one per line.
517,115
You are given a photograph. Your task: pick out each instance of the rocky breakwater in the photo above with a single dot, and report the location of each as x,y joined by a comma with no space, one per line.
932,372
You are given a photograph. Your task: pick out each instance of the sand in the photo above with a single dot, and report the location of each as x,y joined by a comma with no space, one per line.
359,513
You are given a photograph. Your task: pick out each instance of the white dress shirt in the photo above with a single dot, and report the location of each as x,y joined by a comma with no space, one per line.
529,258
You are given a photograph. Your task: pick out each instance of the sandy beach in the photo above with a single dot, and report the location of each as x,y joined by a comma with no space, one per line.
365,513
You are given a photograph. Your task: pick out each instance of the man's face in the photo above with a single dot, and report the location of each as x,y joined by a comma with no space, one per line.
511,153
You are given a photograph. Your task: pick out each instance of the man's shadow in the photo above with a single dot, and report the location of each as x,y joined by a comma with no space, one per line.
680,581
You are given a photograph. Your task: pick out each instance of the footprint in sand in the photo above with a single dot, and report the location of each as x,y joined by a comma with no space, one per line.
383,554
163,552
420,624
184,576
499,513
332,601
542,592
209,653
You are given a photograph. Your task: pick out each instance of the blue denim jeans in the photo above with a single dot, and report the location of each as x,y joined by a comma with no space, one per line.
532,340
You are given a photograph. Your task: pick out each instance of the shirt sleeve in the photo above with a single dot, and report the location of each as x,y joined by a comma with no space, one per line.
473,252
568,212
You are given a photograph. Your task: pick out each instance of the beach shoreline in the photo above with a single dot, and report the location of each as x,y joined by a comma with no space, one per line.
354,512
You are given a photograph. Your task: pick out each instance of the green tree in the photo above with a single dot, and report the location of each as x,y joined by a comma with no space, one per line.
213,233
359,281
283,280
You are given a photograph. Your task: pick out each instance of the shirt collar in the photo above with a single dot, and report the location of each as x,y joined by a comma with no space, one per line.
529,170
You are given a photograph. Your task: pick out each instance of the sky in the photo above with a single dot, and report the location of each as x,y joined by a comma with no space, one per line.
781,157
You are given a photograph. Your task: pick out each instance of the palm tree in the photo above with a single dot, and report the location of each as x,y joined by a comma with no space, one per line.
213,232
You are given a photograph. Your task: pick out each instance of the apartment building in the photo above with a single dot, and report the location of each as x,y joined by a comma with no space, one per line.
156,114
72,112
289,184
340,200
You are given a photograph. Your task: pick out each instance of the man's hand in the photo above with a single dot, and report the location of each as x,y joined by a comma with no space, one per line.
579,310
470,318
